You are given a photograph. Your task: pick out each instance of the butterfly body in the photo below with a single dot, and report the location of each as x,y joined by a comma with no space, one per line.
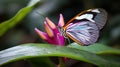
84,28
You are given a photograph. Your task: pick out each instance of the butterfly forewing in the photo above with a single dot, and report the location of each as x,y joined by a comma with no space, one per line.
84,28
100,17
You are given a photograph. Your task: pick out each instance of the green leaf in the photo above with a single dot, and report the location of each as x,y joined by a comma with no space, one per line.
43,50
6,25
96,48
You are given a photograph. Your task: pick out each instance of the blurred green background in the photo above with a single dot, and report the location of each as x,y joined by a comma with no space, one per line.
24,31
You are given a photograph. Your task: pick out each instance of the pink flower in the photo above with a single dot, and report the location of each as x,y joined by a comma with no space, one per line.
53,34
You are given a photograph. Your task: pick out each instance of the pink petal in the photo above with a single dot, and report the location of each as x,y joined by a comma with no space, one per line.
61,21
50,23
42,35
49,31
45,37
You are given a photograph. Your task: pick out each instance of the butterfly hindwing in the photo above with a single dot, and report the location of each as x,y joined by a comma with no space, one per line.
83,32
84,28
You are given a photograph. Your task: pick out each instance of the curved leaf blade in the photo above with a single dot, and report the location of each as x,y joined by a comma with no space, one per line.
96,48
6,25
42,50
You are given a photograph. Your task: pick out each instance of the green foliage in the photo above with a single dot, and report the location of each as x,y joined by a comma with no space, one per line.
96,48
6,25
33,50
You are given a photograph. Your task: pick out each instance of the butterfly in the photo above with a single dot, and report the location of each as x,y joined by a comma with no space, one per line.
84,27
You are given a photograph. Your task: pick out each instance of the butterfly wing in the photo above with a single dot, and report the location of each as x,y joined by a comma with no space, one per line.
99,16
84,28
